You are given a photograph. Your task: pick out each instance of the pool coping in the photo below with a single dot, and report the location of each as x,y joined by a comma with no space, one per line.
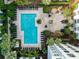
20,33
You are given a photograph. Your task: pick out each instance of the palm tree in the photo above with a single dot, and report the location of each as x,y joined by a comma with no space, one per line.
67,12
30,54
35,53
58,41
50,41
44,50
20,52
57,34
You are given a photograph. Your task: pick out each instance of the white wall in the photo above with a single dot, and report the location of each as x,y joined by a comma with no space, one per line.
76,24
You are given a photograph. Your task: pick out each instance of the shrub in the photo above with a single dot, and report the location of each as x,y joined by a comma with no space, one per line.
67,30
47,33
22,2
47,9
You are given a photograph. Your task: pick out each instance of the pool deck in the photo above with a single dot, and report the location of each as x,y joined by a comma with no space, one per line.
20,33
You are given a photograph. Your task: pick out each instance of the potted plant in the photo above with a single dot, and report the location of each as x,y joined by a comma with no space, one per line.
39,21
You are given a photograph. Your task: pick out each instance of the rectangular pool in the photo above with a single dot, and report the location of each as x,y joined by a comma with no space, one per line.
29,28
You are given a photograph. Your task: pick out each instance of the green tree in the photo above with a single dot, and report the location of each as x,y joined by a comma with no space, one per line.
10,13
11,8
1,4
11,55
5,44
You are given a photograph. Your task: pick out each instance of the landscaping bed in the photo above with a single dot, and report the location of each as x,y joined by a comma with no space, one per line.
47,9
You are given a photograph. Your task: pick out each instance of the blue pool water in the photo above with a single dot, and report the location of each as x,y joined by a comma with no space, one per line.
29,28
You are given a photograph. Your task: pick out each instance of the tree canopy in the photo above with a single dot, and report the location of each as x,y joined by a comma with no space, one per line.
1,4
5,44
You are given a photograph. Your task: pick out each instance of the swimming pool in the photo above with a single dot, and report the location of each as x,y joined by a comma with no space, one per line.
29,28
